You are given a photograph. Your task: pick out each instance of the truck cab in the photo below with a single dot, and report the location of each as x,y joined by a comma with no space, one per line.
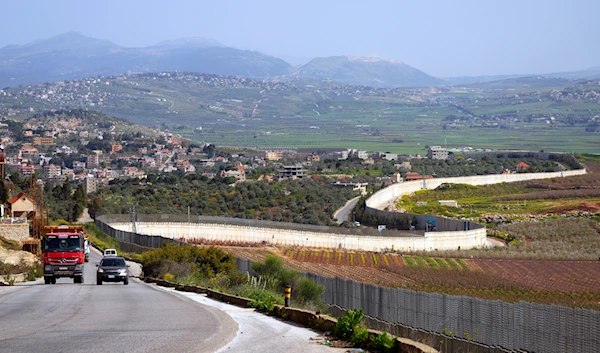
110,252
63,253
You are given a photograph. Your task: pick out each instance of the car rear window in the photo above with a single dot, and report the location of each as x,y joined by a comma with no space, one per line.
112,262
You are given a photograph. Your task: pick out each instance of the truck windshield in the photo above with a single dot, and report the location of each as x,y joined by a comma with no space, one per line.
54,244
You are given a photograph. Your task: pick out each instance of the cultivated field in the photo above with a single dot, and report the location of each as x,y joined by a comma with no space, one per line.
553,256
568,283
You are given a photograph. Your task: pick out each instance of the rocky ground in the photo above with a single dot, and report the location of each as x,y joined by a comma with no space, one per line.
16,257
10,258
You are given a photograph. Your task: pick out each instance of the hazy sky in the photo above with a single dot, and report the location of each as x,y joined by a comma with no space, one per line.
442,38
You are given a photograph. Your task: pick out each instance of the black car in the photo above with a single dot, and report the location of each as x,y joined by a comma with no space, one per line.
112,269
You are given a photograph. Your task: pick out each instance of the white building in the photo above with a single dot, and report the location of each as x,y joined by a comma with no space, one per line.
437,152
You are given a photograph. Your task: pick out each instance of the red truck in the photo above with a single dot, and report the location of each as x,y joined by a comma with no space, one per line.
63,252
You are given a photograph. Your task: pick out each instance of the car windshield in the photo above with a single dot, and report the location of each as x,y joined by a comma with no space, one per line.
54,244
113,262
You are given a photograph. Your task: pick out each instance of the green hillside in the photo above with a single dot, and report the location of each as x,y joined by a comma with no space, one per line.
316,115
365,71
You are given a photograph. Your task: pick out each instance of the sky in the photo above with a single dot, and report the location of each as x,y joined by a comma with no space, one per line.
444,38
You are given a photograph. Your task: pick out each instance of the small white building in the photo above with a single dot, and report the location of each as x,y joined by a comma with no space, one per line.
437,152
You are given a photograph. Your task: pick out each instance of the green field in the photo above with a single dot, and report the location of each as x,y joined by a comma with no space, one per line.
275,115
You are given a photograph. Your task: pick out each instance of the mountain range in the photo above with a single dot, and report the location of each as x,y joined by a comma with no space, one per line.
72,56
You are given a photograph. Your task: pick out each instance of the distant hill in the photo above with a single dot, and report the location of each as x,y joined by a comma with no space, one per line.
316,115
522,82
587,74
73,56
463,80
367,71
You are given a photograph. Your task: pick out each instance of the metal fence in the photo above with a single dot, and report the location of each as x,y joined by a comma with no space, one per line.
449,323
526,326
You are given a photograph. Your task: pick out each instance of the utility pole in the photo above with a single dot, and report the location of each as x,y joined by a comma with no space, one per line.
2,160
133,219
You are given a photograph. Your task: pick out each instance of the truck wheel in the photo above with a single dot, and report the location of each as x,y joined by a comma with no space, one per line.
47,280
53,280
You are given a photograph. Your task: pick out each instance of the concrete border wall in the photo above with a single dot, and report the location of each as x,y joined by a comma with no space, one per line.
241,234
384,197
450,235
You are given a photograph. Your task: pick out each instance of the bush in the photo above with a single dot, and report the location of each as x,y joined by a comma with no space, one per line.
272,266
174,269
263,301
99,239
347,325
309,290
288,277
236,279
206,262
384,342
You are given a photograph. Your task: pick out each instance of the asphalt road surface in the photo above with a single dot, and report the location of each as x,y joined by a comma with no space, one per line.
68,317
343,213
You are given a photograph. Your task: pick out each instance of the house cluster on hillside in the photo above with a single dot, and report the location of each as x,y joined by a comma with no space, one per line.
57,152
60,149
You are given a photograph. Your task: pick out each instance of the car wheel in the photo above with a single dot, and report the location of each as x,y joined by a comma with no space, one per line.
99,282
126,281
53,280
47,280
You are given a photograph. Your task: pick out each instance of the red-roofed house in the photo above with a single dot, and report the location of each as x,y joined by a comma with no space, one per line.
522,167
415,176
20,205
313,158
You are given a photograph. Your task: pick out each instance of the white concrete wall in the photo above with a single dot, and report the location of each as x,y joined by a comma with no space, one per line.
430,241
384,197
235,233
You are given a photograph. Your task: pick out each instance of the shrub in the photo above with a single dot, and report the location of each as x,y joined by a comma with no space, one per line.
205,262
383,342
309,290
347,325
99,239
174,269
236,279
270,268
288,277
263,301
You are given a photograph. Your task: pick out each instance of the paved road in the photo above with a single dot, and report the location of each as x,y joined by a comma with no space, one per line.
259,333
343,213
85,217
68,317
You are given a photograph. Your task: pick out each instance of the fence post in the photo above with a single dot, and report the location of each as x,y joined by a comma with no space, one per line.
287,296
